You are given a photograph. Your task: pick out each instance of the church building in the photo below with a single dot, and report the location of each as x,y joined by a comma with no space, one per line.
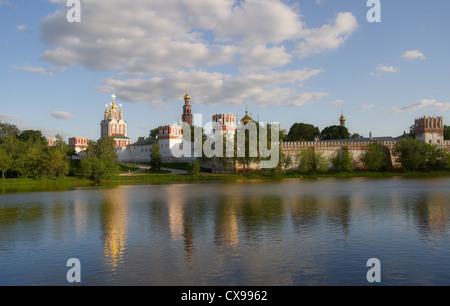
114,125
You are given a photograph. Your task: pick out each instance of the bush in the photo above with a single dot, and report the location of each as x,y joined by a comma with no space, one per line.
411,153
193,168
375,157
310,160
343,159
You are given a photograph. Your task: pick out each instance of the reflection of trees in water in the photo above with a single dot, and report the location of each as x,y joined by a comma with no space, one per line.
431,213
29,218
305,213
339,212
311,211
261,214
253,214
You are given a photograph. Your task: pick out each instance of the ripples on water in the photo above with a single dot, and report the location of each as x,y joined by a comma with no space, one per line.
289,232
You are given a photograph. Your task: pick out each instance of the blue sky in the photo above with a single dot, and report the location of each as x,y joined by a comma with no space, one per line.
290,61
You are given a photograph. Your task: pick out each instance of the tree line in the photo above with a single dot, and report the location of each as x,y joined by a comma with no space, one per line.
25,154
308,132
411,154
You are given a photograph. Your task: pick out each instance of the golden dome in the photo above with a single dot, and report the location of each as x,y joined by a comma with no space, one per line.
246,119
186,96
342,118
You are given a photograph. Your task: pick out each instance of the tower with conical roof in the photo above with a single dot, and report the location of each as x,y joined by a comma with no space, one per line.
187,109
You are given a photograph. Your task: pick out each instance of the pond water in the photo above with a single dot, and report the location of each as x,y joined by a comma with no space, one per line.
262,232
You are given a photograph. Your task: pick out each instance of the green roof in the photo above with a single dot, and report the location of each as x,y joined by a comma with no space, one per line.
118,136
144,142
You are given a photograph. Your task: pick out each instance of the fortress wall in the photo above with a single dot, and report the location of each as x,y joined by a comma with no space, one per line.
328,149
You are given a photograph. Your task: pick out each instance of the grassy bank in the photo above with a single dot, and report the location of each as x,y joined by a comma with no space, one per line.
161,178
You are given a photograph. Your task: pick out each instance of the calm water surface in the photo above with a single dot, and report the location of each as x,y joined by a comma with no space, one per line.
287,232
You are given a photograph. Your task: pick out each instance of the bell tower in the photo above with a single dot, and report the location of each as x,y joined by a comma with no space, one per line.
187,109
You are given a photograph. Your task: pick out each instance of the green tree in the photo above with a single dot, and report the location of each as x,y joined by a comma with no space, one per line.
53,163
154,133
410,153
8,130
302,132
446,132
155,157
307,160
437,157
100,161
106,146
310,160
343,159
6,162
412,131
193,168
375,157
334,132
34,136
321,162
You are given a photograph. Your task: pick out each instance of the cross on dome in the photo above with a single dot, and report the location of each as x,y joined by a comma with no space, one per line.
113,96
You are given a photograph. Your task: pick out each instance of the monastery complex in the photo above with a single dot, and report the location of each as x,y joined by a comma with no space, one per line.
427,129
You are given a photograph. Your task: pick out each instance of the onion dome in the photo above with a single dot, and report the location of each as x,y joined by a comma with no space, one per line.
246,119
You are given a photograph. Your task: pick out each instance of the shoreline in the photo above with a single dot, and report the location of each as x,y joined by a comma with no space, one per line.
177,178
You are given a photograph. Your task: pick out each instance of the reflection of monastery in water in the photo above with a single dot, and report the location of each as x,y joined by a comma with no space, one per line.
427,129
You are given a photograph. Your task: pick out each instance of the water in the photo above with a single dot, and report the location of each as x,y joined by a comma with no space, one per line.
285,232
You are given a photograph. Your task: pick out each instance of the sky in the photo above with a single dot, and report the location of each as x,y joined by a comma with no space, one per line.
288,61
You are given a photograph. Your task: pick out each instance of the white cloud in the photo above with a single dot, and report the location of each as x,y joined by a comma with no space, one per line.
336,103
442,106
258,22
23,28
327,37
9,117
422,104
39,70
213,88
62,115
7,3
384,69
388,69
364,107
262,58
413,54
155,47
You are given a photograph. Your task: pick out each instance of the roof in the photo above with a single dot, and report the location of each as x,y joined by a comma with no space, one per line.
118,136
246,118
144,142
